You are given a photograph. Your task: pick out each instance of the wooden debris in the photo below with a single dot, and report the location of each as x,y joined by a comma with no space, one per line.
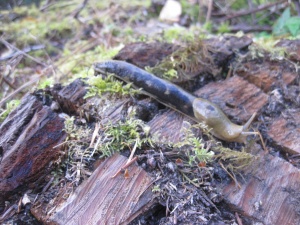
163,123
70,97
105,200
292,49
145,54
268,74
269,192
235,96
285,131
28,138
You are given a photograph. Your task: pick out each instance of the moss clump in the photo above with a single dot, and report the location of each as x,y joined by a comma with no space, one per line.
99,85
194,147
10,106
186,62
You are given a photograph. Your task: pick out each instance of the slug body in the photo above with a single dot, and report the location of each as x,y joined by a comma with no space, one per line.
171,95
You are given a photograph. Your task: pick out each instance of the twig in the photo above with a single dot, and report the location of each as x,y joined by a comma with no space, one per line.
238,219
208,15
79,9
247,28
297,6
11,95
22,52
125,167
254,10
19,52
7,81
232,177
9,212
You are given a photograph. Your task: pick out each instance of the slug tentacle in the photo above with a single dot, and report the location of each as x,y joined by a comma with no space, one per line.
171,95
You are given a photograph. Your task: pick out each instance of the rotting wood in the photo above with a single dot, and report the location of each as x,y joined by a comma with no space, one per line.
292,49
285,131
269,192
28,137
105,200
163,123
144,54
70,97
235,96
267,74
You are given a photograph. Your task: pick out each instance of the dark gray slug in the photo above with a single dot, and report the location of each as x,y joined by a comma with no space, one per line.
169,94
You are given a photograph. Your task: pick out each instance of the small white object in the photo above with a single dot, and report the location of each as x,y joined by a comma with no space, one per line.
171,11
25,200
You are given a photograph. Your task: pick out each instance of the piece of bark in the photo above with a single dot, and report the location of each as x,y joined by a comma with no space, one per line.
70,97
28,138
105,200
267,74
269,192
162,124
235,96
285,131
292,49
145,54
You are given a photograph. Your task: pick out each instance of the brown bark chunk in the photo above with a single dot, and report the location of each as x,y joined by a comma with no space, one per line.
28,137
145,54
106,200
267,74
292,49
71,96
270,194
235,96
285,131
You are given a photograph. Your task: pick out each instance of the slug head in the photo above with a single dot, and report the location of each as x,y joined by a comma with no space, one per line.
221,127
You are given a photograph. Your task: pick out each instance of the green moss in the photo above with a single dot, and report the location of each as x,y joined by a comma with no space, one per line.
98,86
45,83
235,161
223,28
191,10
194,147
10,106
28,29
122,135
177,33
185,62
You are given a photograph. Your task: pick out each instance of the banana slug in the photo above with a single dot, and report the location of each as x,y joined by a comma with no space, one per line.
169,94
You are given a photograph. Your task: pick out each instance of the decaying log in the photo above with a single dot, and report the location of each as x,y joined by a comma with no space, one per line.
292,49
269,192
70,97
285,131
235,96
28,139
105,200
145,54
267,74
163,123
